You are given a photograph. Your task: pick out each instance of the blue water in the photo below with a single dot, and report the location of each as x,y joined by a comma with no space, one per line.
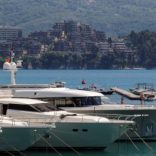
103,78
117,149
73,78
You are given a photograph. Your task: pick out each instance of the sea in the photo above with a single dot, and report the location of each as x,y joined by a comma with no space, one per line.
125,79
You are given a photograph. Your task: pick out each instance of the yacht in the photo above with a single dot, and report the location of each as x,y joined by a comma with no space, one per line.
17,135
94,103
68,129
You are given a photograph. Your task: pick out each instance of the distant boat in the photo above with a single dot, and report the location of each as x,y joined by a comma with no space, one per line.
100,90
146,90
94,88
138,68
19,63
142,87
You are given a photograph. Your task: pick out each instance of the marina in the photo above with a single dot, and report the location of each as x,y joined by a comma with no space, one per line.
68,129
77,78
115,96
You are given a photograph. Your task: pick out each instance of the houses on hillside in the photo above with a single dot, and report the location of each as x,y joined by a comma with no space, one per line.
66,36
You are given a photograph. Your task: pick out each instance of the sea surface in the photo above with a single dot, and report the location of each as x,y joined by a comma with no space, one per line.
101,78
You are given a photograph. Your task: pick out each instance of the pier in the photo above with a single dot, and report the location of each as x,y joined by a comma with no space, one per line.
126,93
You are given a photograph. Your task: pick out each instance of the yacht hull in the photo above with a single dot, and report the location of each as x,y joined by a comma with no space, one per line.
19,138
145,119
82,135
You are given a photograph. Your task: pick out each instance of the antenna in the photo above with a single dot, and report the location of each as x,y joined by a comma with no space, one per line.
9,65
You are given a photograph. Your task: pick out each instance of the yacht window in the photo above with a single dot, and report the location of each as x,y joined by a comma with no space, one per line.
87,101
59,101
85,130
33,108
75,130
63,102
4,109
75,101
105,100
44,107
21,107
69,101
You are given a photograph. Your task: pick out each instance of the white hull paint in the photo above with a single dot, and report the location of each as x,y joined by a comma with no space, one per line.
19,138
83,135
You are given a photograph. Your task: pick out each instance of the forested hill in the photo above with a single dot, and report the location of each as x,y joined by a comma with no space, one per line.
111,16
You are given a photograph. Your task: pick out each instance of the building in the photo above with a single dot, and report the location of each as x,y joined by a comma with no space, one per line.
104,47
8,33
5,48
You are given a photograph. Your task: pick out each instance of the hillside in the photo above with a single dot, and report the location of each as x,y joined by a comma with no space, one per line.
112,16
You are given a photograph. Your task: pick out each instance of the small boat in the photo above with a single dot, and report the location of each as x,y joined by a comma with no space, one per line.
142,87
146,91
94,88
99,90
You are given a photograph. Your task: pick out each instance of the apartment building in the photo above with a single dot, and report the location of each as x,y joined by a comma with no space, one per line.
8,33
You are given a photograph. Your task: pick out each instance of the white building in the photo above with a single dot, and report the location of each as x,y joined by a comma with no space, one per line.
10,33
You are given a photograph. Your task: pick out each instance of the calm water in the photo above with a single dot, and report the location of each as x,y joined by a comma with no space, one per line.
102,78
117,149
73,78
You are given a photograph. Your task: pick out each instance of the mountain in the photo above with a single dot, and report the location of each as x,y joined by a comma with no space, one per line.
112,16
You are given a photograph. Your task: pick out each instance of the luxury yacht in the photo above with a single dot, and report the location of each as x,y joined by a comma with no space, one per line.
68,129
17,135
94,103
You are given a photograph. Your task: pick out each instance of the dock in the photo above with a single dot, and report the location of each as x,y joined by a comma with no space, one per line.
126,93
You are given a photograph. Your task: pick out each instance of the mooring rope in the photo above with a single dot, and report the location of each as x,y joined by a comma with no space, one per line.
146,144
9,153
13,147
132,142
65,143
50,145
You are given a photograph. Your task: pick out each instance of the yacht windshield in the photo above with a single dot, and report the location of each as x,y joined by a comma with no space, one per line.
105,100
33,108
76,101
87,101
44,107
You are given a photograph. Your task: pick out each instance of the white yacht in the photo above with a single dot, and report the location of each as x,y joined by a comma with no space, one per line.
17,135
68,129
94,103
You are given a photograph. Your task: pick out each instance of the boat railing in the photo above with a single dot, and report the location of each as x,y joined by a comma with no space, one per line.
10,122
50,121
37,121
26,122
121,116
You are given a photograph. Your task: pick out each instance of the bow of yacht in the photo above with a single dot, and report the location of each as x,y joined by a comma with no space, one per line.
17,135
